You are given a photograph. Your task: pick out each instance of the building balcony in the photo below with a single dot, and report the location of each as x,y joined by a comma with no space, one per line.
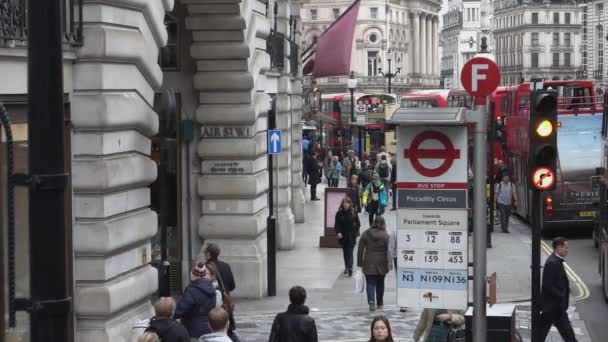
13,22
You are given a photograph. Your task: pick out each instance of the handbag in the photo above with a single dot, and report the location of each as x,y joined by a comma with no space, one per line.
359,282
439,333
228,303
457,336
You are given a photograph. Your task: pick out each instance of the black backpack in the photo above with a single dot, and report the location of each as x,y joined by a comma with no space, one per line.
383,171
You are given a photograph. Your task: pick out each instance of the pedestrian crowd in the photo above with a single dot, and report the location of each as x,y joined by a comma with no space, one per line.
205,311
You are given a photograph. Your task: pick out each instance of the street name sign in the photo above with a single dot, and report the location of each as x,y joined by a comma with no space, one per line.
432,218
274,141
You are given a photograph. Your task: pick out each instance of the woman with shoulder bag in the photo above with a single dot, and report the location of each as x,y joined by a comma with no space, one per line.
226,300
347,228
372,257
439,326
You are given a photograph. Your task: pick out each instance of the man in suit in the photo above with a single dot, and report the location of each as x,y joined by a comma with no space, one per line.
556,293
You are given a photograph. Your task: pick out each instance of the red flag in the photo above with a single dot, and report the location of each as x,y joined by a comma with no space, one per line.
335,45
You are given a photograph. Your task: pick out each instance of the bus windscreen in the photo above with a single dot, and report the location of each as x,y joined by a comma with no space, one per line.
579,146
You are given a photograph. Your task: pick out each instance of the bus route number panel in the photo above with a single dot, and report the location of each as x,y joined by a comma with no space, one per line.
432,258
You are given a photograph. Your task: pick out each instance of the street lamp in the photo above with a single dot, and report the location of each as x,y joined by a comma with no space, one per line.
314,101
352,85
390,74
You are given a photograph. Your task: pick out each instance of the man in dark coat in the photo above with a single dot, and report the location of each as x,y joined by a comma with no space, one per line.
556,294
196,302
314,176
294,325
163,324
394,180
365,176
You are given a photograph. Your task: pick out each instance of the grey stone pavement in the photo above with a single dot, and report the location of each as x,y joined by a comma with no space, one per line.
342,315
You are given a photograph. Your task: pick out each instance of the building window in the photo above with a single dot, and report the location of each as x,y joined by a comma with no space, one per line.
567,18
373,12
555,38
555,60
534,60
336,12
599,8
373,38
556,17
567,62
169,55
534,18
372,63
567,39
313,14
534,38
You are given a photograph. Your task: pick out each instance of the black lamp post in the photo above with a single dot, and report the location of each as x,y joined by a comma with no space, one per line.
352,85
390,73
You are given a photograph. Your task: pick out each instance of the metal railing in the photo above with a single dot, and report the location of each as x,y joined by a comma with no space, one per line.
13,22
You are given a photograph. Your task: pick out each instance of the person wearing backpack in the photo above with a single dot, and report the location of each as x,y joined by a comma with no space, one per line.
374,198
505,200
383,169
163,324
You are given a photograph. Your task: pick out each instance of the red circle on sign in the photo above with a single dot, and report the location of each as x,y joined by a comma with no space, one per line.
543,178
415,153
480,76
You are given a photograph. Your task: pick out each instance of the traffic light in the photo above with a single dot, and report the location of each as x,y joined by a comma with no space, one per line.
543,139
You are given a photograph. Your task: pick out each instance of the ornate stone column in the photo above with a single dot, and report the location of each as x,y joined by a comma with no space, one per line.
435,42
416,53
115,77
423,46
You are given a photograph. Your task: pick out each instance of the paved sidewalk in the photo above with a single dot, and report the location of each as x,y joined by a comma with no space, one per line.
342,315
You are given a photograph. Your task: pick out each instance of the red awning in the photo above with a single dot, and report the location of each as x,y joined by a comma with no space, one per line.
308,66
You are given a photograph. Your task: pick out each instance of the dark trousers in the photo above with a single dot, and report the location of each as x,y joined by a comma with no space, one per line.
562,323
347,251
305,178
394,187
334,182
373,211
375,286
313,190
505,213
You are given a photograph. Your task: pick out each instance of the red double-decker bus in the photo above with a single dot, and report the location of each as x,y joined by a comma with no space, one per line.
571,204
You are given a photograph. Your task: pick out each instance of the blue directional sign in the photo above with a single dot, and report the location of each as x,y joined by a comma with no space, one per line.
274,142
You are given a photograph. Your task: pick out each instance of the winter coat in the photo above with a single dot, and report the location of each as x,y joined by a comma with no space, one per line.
336,170
194,306
355,196
347,224
425,323
168,330
365,177
556,288
215,337
368,195
312,169
327,167
372,253
294,325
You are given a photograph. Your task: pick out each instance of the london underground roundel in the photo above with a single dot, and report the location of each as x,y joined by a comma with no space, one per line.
543,178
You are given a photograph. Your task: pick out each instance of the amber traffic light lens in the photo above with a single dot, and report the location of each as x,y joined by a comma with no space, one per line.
544,129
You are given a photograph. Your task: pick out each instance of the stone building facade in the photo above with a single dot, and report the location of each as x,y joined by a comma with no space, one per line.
405,32
215,56
537,39
595,40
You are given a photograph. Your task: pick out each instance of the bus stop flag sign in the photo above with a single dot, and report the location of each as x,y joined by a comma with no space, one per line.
480,76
